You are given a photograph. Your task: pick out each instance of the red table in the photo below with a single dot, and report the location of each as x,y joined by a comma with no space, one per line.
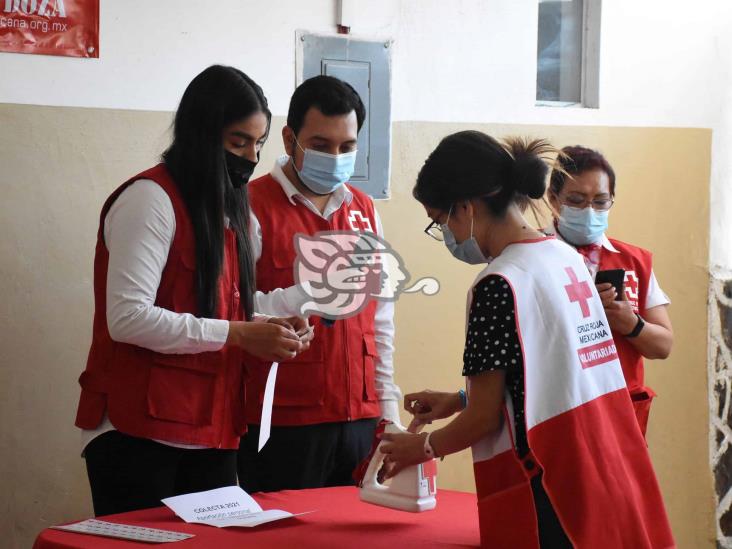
340,520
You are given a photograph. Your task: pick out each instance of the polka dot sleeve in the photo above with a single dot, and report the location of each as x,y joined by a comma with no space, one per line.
492,342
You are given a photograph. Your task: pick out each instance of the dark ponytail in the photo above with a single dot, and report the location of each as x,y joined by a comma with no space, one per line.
471,164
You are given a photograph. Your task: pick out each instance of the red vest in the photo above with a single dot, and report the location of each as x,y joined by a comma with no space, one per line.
189,399
334,379
637,264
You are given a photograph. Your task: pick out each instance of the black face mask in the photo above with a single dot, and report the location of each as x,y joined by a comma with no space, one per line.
240,169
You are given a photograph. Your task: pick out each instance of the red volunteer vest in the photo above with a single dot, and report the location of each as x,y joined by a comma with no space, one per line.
637,264
334,379
190,399
580,425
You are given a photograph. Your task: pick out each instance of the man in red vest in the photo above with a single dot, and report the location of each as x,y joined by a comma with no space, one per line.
328,400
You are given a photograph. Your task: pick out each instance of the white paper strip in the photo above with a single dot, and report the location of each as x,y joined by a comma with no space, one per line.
265,423
123,531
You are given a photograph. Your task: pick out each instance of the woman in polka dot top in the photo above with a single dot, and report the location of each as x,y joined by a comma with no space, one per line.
482,210
582,431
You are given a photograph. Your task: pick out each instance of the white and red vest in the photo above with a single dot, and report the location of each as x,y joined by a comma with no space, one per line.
334,380
637,264
580,425
190,399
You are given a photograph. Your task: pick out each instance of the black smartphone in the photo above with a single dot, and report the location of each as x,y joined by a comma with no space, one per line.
616,277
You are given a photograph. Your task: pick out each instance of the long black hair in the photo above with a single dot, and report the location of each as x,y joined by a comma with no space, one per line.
216,98
471,164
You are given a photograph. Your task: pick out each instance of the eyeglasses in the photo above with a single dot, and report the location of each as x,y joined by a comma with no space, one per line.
580,201
434,230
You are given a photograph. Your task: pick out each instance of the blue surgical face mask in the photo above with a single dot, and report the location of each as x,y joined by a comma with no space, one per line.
582,226
468,250
323,173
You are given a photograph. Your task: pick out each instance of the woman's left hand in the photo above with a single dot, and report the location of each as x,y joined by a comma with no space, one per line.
301,327
619,314
402,450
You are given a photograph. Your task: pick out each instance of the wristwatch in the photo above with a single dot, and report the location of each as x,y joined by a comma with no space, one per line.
638,327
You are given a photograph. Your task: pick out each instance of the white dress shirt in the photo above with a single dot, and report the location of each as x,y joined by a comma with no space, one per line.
287,301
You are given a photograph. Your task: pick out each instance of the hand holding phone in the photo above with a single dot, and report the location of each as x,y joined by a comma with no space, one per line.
616,277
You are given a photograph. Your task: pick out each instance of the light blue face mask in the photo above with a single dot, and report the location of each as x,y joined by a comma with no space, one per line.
323,173
582,226
468,250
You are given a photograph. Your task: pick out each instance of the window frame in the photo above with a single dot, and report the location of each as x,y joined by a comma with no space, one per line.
590,59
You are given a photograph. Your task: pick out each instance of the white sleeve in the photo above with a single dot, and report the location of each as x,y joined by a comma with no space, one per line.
388,392
138,232
655,296
282,302
255,236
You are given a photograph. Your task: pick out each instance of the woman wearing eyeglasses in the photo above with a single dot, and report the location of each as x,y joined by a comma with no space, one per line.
582,191
558,459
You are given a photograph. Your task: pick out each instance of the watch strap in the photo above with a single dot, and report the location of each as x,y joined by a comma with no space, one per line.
638,327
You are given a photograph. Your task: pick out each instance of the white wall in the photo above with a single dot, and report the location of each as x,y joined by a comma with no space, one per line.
471,60
663,63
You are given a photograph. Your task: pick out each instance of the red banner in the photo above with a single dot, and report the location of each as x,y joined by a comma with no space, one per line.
50,27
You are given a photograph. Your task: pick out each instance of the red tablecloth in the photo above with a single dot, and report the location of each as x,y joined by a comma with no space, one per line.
340,520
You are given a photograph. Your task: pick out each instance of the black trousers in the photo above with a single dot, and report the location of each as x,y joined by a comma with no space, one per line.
551,533
128,473
309,456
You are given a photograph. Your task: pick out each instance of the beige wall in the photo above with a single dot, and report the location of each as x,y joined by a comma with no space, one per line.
662,204
58,164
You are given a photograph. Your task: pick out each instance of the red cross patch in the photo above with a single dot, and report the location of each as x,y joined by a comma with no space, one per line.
359,222
631,288
579,292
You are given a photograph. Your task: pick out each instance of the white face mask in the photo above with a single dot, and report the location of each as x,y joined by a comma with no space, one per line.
468,250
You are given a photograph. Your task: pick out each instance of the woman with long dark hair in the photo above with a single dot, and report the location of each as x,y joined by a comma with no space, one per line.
162,400
558,458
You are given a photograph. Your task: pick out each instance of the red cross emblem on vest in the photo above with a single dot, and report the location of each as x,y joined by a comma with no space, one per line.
631,286
579,292
359,222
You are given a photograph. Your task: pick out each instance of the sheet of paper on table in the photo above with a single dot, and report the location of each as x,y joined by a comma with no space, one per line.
123,531
222,507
